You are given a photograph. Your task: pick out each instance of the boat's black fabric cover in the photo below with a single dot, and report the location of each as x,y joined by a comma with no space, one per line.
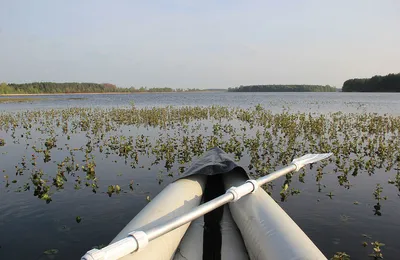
214,161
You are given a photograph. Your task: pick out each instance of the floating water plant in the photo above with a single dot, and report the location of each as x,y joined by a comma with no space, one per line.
377,251
51,251
378,197
340,256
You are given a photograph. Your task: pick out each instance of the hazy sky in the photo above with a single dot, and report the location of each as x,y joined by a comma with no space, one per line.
202,44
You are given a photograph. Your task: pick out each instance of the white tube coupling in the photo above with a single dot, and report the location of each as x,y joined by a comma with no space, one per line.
298,165
94,254
241,191
113,251
254,183
141,239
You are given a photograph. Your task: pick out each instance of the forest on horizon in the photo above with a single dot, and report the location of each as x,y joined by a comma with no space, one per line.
283,88
388,83
74,87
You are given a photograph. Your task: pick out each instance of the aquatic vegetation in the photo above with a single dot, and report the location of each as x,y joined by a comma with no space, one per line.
396,181
330,195
50,143
78,219
64,149
113,189
378,197
51,252
42,189
7,183
377,251
376,247
366,236
2,142
173,136
340,256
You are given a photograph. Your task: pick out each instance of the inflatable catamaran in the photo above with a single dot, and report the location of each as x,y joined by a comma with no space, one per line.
214,211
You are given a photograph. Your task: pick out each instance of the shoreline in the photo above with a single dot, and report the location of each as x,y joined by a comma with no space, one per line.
103,93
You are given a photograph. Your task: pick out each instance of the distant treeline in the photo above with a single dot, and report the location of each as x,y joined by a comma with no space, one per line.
73,87
283,88
388,83
50,87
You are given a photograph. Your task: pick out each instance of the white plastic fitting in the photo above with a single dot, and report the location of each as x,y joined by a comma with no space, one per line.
241,191
254,183
94,254
141,239
113,251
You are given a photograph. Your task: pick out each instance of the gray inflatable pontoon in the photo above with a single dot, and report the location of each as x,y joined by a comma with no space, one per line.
254,227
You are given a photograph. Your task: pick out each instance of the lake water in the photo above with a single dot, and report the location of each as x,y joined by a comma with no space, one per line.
29,226
304,102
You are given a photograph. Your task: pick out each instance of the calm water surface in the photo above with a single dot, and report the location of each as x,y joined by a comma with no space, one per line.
303,102
28,226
